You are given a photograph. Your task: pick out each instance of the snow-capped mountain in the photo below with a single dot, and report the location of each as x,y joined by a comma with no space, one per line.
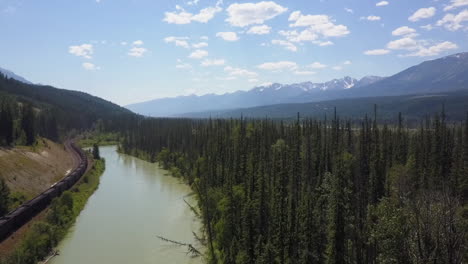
263,95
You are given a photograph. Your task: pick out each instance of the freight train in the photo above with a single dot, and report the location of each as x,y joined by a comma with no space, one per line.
21,215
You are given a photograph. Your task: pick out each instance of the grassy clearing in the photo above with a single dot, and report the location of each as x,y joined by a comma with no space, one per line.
102,139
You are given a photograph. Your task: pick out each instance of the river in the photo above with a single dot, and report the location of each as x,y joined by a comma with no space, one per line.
135,201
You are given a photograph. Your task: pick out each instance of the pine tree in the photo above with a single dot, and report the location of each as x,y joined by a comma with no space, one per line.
28,123
4,197
96,154
6,125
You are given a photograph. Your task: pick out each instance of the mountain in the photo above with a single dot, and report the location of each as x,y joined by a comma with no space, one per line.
413,107
12,75
445,74
74,110
263,95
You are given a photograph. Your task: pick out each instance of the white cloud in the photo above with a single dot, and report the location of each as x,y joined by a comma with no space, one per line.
204,38
347,62
317,65
137,42
376,52
349,10
304,72
206,14
198,54
178,41
401,31
194,2
214,62
228,36
382,3
253,80
454,22
200,45
434,50
427,27
184,66
371,18
90,67
294,36
241,15
337,68
403,44
233,72
278,66
422,14
83,50
123,43
325,43
137,52
455,4
259,30
418,48
184,17
286,44
317,25
266,84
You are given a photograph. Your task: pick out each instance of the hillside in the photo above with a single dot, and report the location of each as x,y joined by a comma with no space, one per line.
29,171
12,75
411,106
446,74
73,109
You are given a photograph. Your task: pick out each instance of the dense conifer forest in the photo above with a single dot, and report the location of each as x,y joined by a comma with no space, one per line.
315,191
270,191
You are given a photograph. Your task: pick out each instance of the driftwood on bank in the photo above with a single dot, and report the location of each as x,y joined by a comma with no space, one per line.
191,250
194,210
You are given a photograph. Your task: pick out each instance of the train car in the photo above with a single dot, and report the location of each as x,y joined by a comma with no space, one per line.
6,227
68,182
61,186
37,204
20,216
50,194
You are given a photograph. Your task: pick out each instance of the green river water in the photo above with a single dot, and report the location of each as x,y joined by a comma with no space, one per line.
135,201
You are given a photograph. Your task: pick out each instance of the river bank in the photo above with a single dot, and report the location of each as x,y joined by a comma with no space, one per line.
52,224
136,202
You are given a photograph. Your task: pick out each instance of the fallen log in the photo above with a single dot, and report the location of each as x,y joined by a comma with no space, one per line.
191,249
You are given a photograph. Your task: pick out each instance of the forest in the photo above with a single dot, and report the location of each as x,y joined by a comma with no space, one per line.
294,191
318,191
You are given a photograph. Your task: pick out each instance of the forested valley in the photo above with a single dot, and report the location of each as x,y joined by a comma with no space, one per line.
318,191
291,191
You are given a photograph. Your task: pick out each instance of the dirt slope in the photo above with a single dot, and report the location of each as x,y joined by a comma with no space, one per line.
33,170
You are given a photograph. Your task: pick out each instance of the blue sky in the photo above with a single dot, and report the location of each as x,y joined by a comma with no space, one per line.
134,50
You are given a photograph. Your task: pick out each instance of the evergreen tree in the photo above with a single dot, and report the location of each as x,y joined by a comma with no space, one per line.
4,197
96,154
28,123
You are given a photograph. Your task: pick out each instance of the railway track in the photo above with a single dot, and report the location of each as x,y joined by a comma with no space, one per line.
21,215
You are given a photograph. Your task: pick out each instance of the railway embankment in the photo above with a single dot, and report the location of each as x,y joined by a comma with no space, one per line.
48,216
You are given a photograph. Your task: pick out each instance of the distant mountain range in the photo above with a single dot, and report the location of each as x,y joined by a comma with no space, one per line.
12,75
446,74
275,93
413,108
